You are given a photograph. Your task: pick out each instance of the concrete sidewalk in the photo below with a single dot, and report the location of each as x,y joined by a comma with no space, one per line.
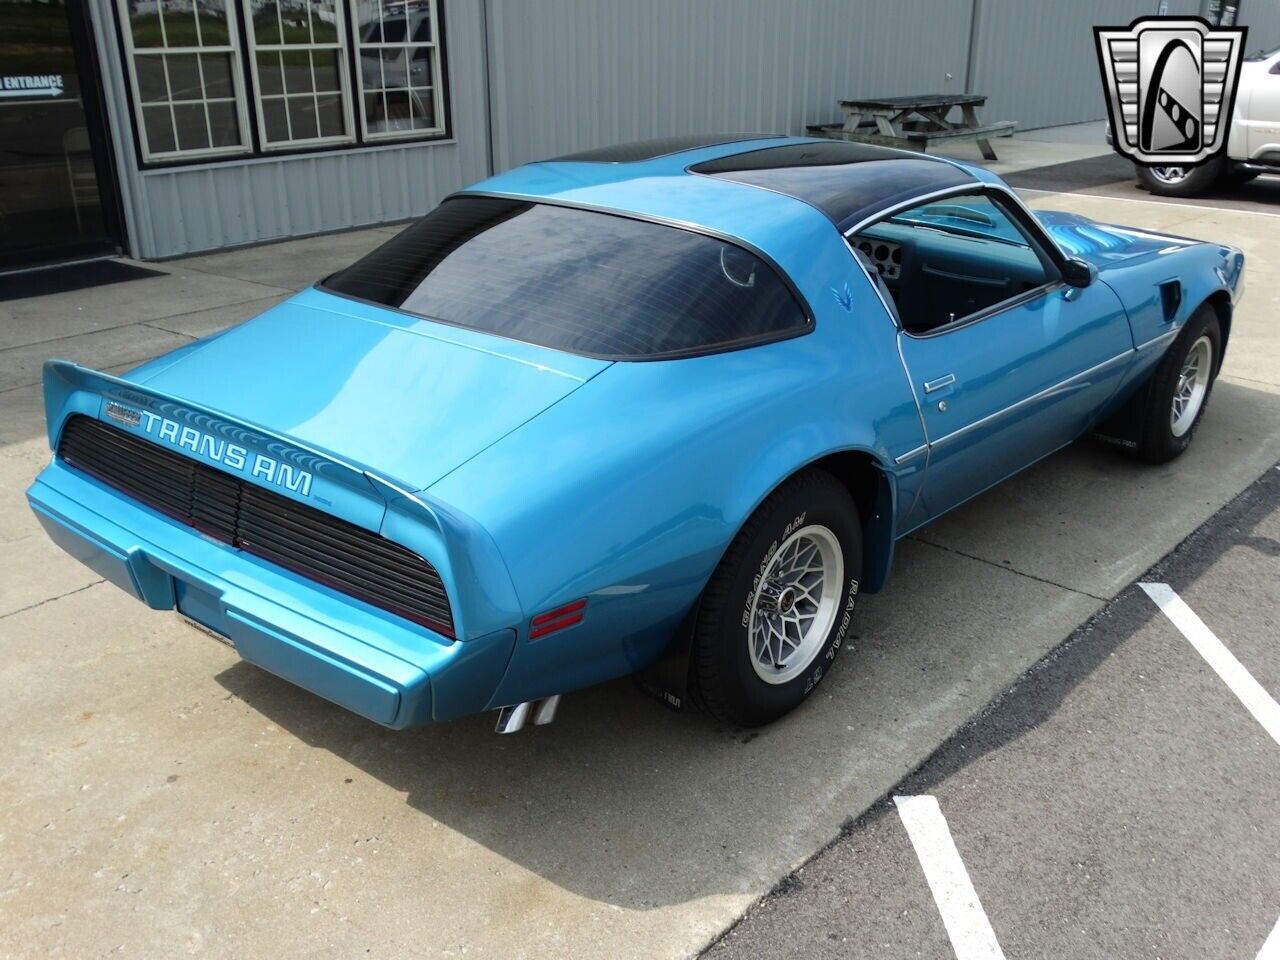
159,795
1028,149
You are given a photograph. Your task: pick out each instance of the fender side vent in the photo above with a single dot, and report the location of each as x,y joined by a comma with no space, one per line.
1170,298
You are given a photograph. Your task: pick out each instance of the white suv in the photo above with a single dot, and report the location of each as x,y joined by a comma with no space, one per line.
1253,143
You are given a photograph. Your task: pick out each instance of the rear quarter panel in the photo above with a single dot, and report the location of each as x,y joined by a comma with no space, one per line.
629,491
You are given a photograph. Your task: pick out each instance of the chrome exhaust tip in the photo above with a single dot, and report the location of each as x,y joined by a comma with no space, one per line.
546,711
512,719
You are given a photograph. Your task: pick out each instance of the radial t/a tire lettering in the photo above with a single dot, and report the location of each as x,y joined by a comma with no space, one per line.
1179,389
777,609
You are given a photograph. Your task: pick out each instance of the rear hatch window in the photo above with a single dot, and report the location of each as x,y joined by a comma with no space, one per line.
577,280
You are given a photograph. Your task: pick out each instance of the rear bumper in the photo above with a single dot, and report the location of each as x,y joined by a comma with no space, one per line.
388,670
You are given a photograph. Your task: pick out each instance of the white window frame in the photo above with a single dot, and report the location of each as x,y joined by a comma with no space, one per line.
239,94
408,45
340,46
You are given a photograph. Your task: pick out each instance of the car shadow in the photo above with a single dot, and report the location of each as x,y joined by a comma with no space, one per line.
1261,194
1112,175
628,803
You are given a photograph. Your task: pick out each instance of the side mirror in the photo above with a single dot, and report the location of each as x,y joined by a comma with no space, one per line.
1079,273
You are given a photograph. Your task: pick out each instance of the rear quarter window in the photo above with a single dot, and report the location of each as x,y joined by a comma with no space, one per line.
577,280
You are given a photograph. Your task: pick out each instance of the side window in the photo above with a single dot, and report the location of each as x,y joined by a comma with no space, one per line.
946,260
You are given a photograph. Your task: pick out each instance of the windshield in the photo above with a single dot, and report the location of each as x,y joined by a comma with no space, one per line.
576,280
1262,54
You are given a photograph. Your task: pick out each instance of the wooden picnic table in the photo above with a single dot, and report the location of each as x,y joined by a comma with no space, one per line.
915,122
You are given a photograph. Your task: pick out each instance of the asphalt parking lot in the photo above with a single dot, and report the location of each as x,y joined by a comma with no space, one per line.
159,796
1119,800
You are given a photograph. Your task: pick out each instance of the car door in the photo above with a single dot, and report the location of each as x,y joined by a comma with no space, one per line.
1009,361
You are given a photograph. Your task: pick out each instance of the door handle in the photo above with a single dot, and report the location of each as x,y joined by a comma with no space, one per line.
931,385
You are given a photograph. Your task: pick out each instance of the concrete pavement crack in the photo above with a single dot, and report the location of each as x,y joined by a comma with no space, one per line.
1001,566
156,326
32,606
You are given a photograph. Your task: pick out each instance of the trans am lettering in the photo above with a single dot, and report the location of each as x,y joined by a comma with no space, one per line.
230,455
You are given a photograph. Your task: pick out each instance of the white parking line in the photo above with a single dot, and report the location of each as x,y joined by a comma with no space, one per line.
1271,949
971,935
1251,693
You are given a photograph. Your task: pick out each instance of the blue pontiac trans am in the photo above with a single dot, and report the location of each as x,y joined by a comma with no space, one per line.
661,408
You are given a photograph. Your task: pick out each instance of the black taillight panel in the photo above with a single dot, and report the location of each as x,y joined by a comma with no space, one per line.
307,541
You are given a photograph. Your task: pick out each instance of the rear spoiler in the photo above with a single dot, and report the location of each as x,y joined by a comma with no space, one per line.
460,549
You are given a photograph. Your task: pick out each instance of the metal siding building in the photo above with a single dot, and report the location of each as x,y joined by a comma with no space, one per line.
515,80
574,74
176,210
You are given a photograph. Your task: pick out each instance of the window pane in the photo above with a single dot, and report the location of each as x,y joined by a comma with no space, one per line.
270,72
420,67
225,124
302,117
179,24
390,25
390,111
146,28
159,128
576,280
274,121
214,31
422,27
332,122
193,134
265,22
393,29
151,79
375,23
374,112
393,61
297,71
326,71
217,75
324,22
424,108
282,21
184,76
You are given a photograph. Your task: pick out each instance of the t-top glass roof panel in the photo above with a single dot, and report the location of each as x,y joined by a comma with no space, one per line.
652,149
848,182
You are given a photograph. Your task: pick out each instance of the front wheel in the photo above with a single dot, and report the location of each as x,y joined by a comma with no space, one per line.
1179,181
777,609
1180,388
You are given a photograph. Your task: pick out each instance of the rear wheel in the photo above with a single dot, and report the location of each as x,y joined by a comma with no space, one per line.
1180,388
777,609
1180,181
